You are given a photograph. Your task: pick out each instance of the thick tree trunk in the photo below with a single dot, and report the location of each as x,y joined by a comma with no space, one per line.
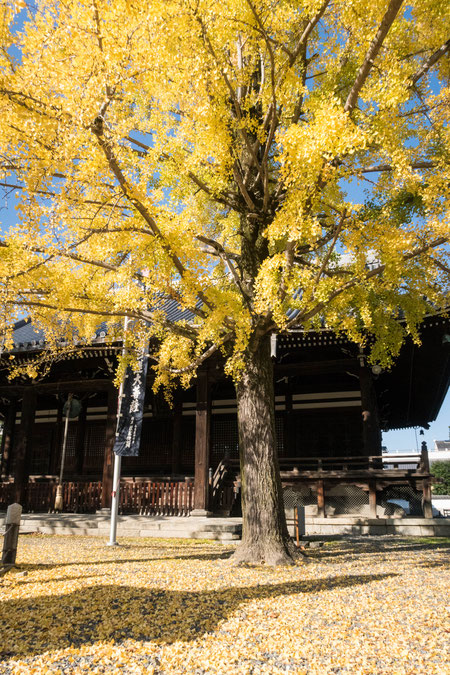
264,533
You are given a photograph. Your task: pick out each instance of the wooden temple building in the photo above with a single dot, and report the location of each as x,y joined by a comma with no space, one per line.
331,407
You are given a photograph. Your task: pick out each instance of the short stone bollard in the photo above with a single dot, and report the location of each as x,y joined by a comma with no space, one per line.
11,538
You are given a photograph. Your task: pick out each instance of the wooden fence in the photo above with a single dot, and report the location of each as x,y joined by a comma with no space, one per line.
6,495
159,498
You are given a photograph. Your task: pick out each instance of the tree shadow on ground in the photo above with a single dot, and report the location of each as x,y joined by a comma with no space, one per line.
31,626
352,550
223,555
444,564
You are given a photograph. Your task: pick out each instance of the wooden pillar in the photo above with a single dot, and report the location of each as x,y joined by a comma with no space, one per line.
289,429
110,436
8,438
23,445
176,437
321,499
202,428
370,420
372,499
79,443
56,446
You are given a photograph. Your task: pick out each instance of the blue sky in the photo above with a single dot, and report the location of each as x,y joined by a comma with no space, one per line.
410,439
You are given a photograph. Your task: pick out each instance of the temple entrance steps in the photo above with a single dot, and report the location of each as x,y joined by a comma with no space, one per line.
165,527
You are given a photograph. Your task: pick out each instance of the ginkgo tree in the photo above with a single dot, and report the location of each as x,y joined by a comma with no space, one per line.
243,158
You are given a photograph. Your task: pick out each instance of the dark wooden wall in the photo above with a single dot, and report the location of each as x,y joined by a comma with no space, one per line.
299,434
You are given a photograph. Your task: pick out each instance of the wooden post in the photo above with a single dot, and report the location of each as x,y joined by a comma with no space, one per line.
321,499
370,421
202,427
427,507
23,445
110,436
12,523
299,523
176,437
79,443
424,459
426,498
372,499
7,440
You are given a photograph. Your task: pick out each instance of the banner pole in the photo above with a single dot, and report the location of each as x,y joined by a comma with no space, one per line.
117,463
115,501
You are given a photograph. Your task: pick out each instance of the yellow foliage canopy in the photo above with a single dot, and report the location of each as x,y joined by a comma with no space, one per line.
243,160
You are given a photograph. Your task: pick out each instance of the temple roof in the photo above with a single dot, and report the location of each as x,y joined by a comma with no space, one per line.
28,338
410,394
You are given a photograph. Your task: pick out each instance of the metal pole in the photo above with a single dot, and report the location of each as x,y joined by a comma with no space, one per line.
59,499
115,501
117,464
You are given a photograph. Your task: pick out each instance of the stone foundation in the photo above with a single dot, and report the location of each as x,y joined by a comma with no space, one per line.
357,525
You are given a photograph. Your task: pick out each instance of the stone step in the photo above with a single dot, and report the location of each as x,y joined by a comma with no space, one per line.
163,527
220,529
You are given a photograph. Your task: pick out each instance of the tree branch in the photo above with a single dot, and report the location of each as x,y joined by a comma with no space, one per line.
307,32
264,170
48,193
236,105
430,62
386,23
388,167
129,193
330,250
377,271
222,253
201,359
243,190
201,184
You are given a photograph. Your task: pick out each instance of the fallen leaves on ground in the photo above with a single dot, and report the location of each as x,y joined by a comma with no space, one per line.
370,606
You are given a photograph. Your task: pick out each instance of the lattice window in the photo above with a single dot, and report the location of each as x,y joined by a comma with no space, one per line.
347,499
224,440
279,430
187,453
42,448
326,434
70,459
94,446
400,498
155,454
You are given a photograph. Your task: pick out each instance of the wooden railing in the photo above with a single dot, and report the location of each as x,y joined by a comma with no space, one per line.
78,497
6,495
304,465
143,497
172,498
152,498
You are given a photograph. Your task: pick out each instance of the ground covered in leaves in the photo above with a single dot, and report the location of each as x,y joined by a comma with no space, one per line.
361,606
